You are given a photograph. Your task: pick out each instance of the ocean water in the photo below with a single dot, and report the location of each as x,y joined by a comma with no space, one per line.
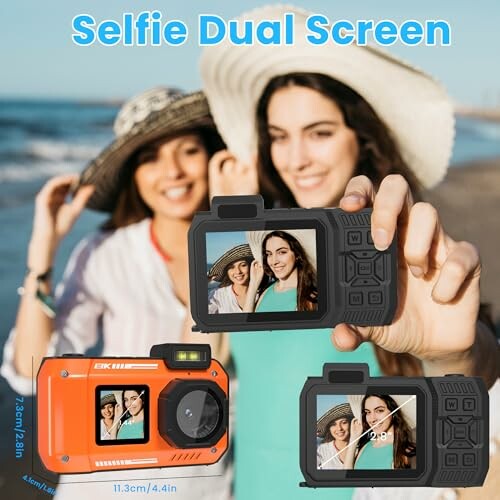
39,139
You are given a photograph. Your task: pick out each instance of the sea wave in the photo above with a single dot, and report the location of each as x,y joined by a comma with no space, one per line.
40,170
56,150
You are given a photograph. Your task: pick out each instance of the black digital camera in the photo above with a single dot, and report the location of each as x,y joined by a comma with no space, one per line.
393,431
257,269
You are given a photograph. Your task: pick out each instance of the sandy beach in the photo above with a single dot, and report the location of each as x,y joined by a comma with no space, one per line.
468,201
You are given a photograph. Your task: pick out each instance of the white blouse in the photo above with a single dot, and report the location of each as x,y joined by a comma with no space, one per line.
223,300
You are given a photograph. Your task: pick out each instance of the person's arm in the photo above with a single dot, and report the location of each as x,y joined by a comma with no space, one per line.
256,275
356,431
438,286
53,219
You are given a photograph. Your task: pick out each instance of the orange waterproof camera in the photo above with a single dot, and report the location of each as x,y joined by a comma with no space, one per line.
168,410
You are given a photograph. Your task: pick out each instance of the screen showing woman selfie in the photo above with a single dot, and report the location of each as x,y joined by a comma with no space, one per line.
123,414
262,271
373,431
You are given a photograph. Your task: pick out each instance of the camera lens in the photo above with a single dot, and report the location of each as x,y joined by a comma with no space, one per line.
198,414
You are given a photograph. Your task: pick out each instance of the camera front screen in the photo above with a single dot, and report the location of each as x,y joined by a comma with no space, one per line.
271,271
122,414
366,432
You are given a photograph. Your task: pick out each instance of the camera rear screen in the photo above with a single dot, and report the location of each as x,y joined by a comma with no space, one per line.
262,271
122,414
370,432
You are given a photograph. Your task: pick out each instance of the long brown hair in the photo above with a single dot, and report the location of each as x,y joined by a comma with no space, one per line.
403,446
307,290
129,206
379,156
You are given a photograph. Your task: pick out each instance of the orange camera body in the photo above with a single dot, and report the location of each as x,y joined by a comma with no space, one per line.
170,409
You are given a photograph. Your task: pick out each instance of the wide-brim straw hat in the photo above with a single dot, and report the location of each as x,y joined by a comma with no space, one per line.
414,106
306,238
107,399
218,270
156,113
340,411
409,408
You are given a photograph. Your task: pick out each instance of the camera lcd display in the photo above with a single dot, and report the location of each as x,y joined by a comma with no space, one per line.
370,432
271,271
122,414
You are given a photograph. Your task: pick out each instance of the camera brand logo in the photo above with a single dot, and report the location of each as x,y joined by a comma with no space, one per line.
125,366
131,461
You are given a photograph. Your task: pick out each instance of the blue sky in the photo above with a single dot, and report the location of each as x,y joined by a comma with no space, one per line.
39,58
219,243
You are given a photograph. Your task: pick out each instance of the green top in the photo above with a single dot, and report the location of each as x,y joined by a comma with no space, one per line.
274,301
131,430
272,368
374,458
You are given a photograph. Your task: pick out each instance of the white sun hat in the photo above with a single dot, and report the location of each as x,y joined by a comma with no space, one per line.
414,106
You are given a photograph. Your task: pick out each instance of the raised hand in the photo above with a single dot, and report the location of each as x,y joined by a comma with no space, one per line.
54,217
438,282
228,176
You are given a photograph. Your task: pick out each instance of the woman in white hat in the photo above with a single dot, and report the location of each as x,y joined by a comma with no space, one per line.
232,271
131,278
283,257
346,126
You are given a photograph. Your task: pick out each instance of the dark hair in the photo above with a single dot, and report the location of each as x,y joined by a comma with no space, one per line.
226,281
327,436
142,396
403,446
129,206
379,155
307,291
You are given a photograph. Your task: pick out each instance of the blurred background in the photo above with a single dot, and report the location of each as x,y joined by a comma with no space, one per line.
58,102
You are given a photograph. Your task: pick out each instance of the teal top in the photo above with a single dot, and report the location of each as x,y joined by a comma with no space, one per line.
272,368
374,458
273,301
131,430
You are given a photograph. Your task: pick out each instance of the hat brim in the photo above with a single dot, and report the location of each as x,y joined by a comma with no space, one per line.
218,270
413,105
340,411
105,172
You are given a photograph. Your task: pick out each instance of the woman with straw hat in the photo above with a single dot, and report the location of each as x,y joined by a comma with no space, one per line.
232,271
131,277
334,427
347,126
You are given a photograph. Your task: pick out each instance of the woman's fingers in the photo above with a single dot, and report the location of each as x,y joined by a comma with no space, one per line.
53,185
345,338
81,198
423,229
392,200
461,264
358,194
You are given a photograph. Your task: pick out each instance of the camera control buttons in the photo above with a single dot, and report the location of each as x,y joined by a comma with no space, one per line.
469,460
451,404
451,459
355,299
469,404
354,238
